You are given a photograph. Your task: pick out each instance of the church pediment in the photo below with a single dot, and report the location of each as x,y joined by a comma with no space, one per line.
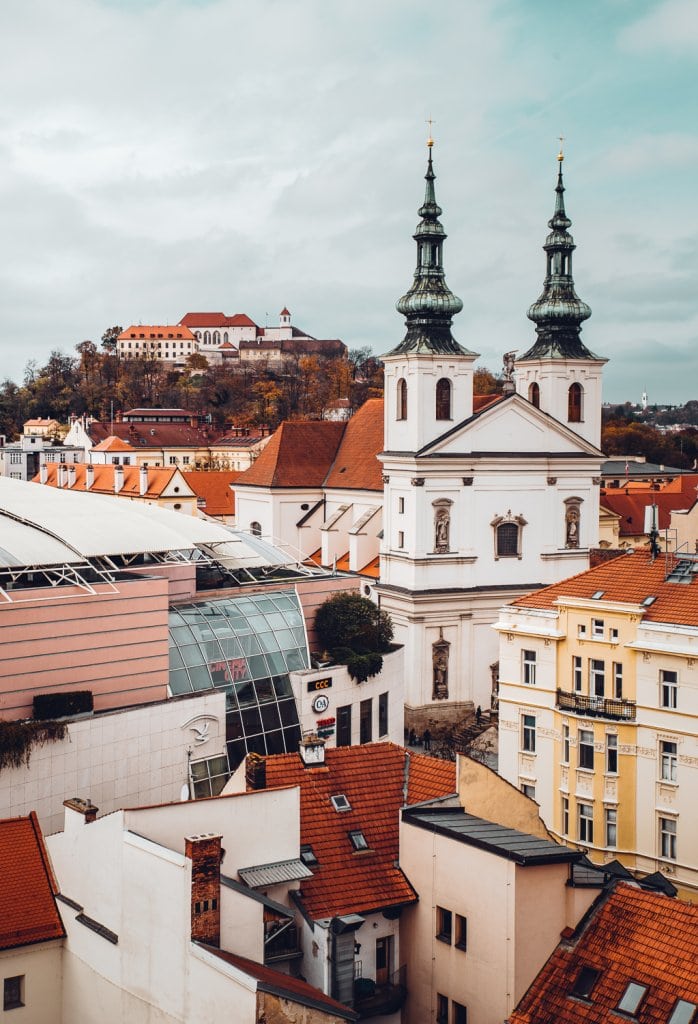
511,426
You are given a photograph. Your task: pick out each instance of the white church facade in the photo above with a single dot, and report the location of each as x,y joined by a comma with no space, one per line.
484,499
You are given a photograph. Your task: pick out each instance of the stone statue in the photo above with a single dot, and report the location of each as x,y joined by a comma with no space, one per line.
572,527
442,529
508,362
439,658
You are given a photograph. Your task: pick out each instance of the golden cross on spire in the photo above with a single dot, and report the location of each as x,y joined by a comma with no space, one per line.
430,141
561,155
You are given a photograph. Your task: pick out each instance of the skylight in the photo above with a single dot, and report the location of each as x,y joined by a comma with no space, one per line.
340,802
358,840
597,595
632,997
586,979
308,856
649,600
684,1012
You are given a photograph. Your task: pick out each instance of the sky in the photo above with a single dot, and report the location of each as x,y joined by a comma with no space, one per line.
165,156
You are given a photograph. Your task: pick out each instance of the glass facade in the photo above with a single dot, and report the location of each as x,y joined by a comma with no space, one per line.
247,646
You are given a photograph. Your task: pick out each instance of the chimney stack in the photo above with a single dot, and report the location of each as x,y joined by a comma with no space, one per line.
62,475
118,478
256,771
84,807
43,473
71,475
312,751
89,476
143,480
204,852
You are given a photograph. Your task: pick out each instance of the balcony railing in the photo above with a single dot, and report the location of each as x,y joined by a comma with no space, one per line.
374,1000
282,945
597,707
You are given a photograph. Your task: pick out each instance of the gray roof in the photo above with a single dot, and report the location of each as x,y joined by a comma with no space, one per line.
617,467
273,874
506,842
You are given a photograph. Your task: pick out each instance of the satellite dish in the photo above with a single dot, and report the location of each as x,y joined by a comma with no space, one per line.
184,792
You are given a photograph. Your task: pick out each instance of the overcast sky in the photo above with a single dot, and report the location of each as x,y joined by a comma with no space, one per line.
162,157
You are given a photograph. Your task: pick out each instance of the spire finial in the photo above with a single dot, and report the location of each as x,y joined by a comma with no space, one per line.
561,155
430,140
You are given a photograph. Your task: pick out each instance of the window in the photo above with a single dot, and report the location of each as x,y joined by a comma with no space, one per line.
172,460
632,997
574,404
611,753
308,856
613,635
528,790
585,823
461,932
534,395
529,667
401,505
358,839
366,721
597,677
441,1009
565,744
586,749
383,714
617,680
460,1013
668,759
507,540
444,925
667,838
577,673
443,399
344,726
581,630
401,413
528,733
209,775
401,539
340,802
684,1012
597,628
584,985
611,827
13,992
565,816
669,683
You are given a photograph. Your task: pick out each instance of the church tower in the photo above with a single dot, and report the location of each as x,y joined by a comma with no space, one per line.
428,376
559,374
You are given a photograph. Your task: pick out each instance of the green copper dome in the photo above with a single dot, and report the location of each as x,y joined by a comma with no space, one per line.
559,313
429,306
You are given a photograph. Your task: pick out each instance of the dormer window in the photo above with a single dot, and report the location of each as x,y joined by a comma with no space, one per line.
401,413
358,839
443,399
340,802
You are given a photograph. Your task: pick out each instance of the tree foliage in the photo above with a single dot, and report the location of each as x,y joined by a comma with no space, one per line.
349,624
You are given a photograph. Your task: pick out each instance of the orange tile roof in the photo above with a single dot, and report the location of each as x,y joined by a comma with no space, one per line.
373,569
356,465
631,508
113,444
686,484
299,454
481,402
345,881
153,332
158,480
214,488
343,562
294,989
633,935
630,579
28,911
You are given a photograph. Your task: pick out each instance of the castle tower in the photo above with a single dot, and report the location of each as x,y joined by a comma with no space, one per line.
559,374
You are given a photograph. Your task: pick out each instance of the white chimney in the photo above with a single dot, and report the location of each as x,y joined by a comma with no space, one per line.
43,473
312,751
89,477
144,480
71,475
62,475
118,478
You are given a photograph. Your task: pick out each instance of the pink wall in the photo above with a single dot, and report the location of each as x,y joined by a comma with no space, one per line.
113,642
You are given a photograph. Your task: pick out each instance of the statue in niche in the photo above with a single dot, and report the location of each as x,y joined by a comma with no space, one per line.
442,529
572,526
439,658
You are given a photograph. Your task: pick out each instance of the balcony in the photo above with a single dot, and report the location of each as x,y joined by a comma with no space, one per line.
597,707
282,943
380,1000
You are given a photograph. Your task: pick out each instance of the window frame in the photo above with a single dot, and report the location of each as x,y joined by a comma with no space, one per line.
401,399
444,925
366,721
585,750
441,1008
565,823
668,689
528,667
633,1000
528,733
617,672
597,629
577,673
383,713
461,932
565,744
668,848
611,827
459,1013
668,761
443,404
585,823
611,753
597,677
575,403
13,995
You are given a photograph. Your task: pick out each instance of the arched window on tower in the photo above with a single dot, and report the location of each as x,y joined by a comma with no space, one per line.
574,403
443,399
401,413
534,395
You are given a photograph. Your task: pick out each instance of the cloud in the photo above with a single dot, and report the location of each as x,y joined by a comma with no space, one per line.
670,27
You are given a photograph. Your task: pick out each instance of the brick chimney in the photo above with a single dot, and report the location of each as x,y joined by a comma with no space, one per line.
204,853
256,771
84,807
118,478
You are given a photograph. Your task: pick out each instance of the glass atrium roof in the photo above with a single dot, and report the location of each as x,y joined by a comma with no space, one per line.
247,646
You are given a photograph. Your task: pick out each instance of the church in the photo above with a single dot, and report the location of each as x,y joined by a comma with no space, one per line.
485,498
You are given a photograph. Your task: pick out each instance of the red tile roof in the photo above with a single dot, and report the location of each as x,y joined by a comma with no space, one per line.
28,911
356,465
154,435
631,508
113,444
629,579
291,988
217,320
346,881
156,331
633,935
481,402
686,484
158,480
214,488
299,454
372,569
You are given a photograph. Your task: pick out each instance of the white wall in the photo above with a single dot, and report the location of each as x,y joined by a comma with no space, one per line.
41,966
